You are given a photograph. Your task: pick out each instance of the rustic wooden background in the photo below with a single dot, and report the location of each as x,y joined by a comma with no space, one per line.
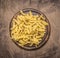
51,8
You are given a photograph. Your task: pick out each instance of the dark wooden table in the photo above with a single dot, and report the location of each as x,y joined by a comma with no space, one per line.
51,8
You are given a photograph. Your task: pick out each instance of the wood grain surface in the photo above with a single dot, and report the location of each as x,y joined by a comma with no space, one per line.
51,8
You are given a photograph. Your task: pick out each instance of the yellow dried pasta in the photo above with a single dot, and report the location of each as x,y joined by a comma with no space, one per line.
28,28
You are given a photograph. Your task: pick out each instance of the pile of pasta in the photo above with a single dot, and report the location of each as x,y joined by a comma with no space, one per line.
28,29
